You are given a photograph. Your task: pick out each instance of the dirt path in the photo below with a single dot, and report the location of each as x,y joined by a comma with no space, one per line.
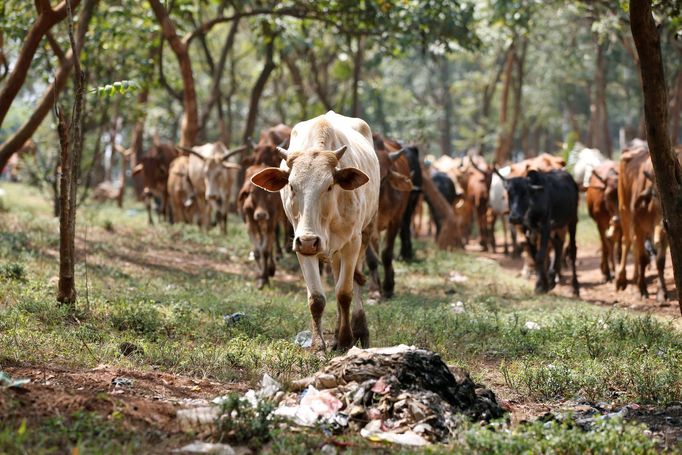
592,287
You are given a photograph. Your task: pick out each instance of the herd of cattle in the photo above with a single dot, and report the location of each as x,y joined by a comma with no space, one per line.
340,187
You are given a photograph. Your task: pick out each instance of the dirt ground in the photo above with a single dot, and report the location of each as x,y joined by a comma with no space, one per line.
593,289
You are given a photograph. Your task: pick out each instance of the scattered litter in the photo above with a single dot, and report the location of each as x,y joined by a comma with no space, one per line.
409,438
122,382
457,277
206,447
602,325
198,417
304,339
457,307
372,301
222,250
530,325
131,212
329,449
10,383
127,349
233,318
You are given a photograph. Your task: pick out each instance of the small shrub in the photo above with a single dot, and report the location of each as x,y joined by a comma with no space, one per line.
141,318
241,423
13,271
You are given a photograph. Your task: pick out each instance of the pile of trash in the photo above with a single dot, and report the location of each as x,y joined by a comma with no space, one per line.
399,394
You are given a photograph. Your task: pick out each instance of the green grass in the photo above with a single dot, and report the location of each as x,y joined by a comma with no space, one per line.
167,288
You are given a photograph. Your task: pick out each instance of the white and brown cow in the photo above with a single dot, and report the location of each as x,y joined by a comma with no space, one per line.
211,176
329,184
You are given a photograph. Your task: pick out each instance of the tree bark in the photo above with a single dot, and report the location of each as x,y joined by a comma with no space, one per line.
299,85
446,119
358,60
24,133
676,106
448,237
259,86
189,128
599,122
500,155
668,172
47,17
71,144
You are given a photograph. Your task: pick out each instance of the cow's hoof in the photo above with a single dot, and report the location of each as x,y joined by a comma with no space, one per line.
387,294
260,283
541,289
621,284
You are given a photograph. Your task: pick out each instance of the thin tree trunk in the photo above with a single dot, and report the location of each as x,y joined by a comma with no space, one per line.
600,121
299,86
518,93
259,86
358,60
446,119
47,17
189,128
500,156
71,144
667,169
24,133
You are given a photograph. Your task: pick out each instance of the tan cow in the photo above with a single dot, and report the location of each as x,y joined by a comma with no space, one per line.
211,175
329,183
641,219
180,191
602,204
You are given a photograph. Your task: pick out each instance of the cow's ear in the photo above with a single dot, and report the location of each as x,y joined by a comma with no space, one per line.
271,179
350,178
399,181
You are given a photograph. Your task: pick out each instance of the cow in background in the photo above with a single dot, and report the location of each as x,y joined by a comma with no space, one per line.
329,183
582,161
602,205
153,169
394,193
262,211
180,192
498,207
544,204
211,175
641,218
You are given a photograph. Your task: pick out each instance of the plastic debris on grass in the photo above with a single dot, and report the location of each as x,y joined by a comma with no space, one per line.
304,339
231,319
457,277
457,307
8,382
206,447
530,325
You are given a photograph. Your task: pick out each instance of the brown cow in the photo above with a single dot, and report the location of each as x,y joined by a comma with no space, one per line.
180,191
262,212
602,205
641,219
394,193
154,171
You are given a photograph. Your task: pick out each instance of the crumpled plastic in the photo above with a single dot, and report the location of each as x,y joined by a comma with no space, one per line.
315,406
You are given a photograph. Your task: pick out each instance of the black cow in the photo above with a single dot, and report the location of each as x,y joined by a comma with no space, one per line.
412,155
544,204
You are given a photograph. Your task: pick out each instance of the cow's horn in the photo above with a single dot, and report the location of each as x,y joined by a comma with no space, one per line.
599,177
473,163
283,153
395,155
504,179
184,149
231,153
339,152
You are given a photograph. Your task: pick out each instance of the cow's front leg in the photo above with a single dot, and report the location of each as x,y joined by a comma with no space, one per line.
541,284
316,299
344,292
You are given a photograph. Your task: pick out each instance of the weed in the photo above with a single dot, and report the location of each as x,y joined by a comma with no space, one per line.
13,271
241,423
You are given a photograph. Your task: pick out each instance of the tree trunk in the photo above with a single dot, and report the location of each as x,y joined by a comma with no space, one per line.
358,60
71,145
189,128
668,172
299,86
518,93
47,17
24,133
676,106
259,86
500,156
446,119
600,121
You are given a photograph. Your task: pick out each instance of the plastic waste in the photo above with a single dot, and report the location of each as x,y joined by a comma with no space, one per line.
304,339
206,447
530,325
457,307
233,318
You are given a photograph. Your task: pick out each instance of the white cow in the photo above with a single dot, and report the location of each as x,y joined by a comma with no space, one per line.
499,207
583,161
209,171
329,184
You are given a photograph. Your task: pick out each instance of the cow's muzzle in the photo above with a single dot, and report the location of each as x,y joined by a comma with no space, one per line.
515,219
307,245
260,215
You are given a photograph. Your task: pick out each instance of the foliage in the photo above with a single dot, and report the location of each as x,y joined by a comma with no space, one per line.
239,422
